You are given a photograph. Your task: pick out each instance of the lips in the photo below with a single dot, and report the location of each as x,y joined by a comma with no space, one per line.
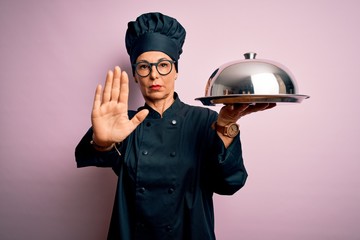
155,87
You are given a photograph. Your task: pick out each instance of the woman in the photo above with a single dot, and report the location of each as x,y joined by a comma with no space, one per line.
170,157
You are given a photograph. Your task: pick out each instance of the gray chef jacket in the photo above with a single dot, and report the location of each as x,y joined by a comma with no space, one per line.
168,170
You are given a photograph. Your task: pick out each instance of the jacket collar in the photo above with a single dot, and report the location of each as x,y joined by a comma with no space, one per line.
172,110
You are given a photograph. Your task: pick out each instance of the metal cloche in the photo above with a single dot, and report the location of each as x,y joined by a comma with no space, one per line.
251,81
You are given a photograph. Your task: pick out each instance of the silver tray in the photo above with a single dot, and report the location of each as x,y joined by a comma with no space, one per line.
252,98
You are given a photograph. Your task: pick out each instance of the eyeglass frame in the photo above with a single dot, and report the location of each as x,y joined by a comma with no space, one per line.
153,64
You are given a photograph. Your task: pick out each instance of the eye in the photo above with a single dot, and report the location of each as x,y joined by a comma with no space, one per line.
164,64
143,66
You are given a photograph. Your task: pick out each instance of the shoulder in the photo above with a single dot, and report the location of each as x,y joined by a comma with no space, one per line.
197,112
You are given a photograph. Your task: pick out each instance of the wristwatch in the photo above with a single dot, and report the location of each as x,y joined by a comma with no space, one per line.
230,130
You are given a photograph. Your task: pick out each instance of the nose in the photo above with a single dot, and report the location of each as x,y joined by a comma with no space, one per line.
153,73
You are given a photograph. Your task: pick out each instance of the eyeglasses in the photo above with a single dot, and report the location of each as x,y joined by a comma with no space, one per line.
144,68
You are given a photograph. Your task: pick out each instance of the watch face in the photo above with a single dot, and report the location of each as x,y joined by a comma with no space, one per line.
233,130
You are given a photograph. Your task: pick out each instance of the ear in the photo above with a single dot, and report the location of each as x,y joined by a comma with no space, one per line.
176,76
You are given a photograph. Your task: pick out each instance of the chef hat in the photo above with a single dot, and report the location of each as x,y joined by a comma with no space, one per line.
154,32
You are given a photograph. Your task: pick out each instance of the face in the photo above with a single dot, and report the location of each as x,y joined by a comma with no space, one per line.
156,87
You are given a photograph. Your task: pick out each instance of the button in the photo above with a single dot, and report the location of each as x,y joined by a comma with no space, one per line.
173,154
169,228
145,152
142,190
148,124
141,225
171,190
173,122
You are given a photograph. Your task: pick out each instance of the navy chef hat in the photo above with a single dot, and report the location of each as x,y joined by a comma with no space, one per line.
154,32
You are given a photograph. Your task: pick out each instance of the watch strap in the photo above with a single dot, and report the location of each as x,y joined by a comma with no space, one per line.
224,129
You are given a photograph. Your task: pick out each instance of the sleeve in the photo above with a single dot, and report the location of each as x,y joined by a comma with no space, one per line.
224,171
228,173
86,155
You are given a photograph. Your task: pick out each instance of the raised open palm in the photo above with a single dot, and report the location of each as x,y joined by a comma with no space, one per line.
109,117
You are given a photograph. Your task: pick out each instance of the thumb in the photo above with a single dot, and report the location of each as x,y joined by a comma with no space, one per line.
139,117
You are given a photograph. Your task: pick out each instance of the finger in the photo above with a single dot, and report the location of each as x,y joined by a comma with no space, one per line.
236,110
139,117
240,107
124,88
267,106
115,88
257,107
231,109
97,98
271,105
107,88
231,113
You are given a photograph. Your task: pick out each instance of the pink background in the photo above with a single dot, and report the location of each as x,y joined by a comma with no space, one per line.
303,160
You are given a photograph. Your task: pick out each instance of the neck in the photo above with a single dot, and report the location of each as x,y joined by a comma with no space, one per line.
161,105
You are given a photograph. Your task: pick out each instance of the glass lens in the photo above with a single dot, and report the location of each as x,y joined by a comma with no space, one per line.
164,67
143,68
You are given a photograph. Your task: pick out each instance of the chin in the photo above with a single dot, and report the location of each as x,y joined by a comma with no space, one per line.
156,95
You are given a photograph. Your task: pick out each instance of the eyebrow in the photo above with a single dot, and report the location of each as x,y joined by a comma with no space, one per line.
160,59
